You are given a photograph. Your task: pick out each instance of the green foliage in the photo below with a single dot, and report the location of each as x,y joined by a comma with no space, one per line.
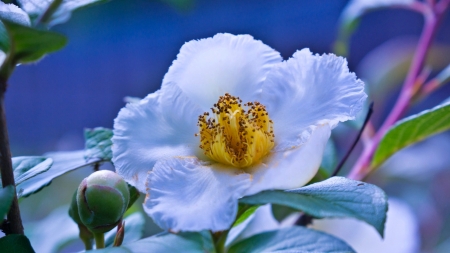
333,198
292,239
245,215
53,232
30,44
98,144
26,167
63,162
134,229
166,242
411,130
15,243
53,12
6,198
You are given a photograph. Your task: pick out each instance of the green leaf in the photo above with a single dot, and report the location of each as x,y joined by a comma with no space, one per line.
411,130
134,229
166,242
26,167
292,239
244,216
15,243
31,44
98,144
63,162
6,198
60,12
53,232
333,198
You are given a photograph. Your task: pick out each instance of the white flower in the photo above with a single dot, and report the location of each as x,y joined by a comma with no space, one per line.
156,141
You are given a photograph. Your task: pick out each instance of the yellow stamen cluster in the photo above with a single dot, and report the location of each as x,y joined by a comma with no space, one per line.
233,136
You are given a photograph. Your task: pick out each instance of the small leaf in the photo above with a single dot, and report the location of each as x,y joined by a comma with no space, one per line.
31,44
98,144
333,198
62,13
15,243
26,167
134,229
411,130
166,242
292,239
63,162
6,198
244,216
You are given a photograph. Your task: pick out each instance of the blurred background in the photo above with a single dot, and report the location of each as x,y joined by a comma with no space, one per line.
124,48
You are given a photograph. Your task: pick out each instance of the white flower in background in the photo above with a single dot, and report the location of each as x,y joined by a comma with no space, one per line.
231,119
401,231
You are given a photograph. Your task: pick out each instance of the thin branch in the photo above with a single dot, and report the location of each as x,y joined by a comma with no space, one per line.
14,225
349,151
432,21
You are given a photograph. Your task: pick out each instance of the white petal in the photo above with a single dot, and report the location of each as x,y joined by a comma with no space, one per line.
401,231
310,90
162,125
187,195
208,68
14,14
291,168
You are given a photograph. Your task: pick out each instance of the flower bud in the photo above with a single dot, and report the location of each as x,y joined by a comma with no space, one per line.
102,200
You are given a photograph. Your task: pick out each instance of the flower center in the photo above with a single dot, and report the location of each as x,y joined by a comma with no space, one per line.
233,136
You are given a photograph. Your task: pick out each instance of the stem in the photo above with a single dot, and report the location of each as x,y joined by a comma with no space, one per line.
344,159
14,220
45,17
432,20
99,240
219,240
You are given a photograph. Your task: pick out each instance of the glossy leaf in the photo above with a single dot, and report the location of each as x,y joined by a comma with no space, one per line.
26,167
134,229
292,239
333,198
60,13
53,232
98,144
411,130
166,242
31,44
15,243
6,198
63,162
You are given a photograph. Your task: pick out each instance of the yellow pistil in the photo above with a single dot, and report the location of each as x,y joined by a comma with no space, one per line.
233,136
